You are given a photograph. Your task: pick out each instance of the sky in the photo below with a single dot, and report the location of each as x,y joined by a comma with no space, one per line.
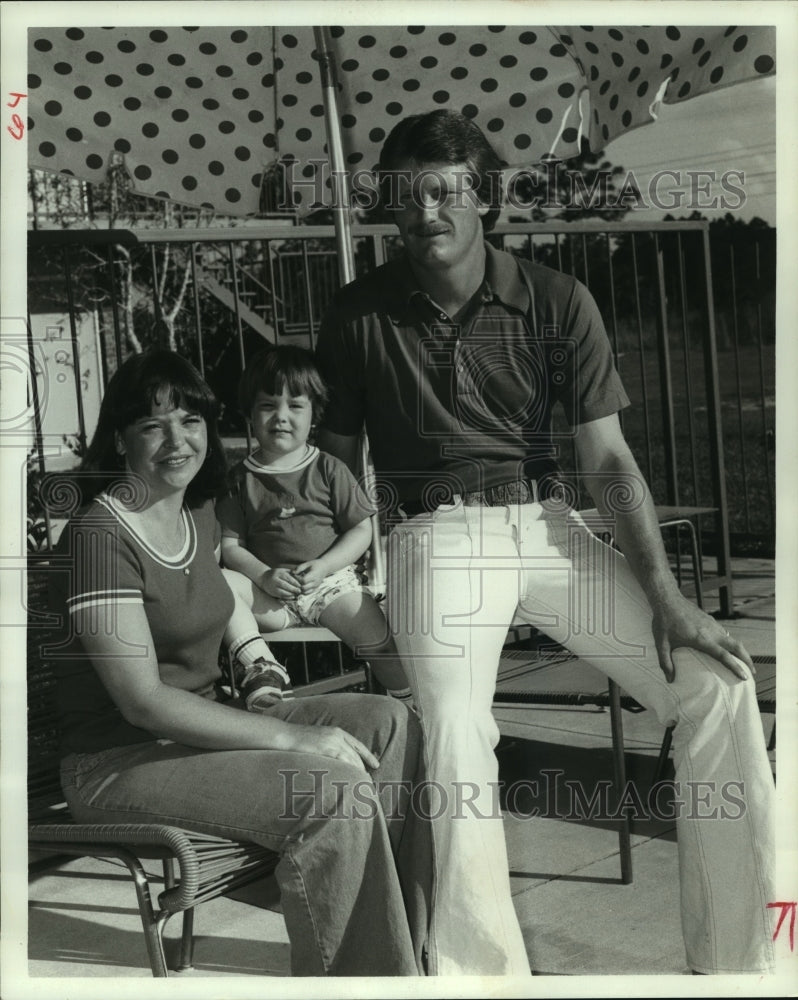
733,129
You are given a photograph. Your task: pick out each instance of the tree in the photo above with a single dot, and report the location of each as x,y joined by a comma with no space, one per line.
585,186
150,293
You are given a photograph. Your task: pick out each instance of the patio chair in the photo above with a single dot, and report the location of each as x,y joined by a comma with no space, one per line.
196,867
611,698
668,517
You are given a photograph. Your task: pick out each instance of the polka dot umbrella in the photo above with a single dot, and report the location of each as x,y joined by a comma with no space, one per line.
196,114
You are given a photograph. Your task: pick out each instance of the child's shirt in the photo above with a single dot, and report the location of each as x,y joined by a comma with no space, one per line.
287,516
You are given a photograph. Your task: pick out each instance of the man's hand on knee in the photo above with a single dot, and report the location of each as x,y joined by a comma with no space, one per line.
680,623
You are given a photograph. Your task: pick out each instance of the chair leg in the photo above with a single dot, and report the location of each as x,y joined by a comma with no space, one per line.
699,596
772,740
695,554
186,960
373,686
619,770
187,942
152,925
662,759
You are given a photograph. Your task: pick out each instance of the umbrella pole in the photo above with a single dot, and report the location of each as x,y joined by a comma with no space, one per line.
341,218
343,244
346,259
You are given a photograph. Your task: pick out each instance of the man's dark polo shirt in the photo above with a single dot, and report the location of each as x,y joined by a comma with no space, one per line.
465,407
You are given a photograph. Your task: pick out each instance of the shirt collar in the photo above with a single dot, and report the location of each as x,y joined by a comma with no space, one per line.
503,275
502,281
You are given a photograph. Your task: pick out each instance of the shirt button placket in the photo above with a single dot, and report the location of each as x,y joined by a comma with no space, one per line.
463,382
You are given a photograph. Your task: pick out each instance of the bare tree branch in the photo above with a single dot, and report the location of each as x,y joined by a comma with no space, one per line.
127,300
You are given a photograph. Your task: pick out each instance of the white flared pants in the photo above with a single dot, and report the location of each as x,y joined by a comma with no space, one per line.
457,579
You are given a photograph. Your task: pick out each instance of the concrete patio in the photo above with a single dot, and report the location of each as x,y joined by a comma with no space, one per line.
577,917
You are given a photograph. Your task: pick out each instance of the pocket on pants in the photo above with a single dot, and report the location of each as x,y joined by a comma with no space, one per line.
84,775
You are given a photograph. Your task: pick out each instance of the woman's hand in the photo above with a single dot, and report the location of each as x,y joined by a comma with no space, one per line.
124,658
331,741
679,623
311,574
280,583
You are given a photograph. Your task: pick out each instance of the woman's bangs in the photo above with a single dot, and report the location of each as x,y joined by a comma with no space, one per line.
175,392
183,395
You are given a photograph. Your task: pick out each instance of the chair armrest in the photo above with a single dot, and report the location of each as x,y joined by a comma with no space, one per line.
209,865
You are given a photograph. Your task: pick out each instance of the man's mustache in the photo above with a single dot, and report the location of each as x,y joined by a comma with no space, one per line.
429,230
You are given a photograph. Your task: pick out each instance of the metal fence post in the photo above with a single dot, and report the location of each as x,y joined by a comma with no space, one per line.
73,330
722,545
665,380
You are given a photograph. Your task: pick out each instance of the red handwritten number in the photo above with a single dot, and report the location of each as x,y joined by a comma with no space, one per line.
17,128
785,909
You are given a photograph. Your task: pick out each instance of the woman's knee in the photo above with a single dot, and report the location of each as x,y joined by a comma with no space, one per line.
376,720
394,724
330,790
394,735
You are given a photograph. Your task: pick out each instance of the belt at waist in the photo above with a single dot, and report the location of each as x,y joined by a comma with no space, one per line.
501,495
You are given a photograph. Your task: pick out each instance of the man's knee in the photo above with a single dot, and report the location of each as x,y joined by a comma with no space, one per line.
457,720
705,686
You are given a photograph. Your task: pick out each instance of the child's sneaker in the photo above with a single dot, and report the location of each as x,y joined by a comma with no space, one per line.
263,684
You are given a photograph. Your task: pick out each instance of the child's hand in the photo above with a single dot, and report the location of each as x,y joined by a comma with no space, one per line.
280,583
310,574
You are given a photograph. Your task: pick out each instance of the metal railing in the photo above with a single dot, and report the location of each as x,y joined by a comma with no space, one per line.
653,284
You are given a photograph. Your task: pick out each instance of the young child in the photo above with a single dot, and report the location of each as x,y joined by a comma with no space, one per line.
296,522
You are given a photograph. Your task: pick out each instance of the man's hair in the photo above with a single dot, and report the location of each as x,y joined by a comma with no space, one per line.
136,388
442,136
275,368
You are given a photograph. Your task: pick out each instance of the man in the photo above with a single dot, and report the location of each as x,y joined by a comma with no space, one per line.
453,356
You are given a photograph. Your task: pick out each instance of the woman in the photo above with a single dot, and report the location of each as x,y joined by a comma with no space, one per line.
147,736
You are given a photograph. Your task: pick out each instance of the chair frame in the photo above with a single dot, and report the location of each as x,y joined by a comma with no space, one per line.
208,867
667,517
616,702
196,867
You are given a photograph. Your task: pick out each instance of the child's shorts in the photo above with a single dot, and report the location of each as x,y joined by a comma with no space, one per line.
306,609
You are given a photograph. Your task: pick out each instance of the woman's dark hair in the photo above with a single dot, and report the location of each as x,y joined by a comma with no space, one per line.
142,382
275,368
442,136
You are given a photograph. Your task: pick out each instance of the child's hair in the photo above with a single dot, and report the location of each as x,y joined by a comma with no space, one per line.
276,368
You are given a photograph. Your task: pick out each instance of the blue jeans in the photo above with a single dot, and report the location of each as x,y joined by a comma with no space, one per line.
355,865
